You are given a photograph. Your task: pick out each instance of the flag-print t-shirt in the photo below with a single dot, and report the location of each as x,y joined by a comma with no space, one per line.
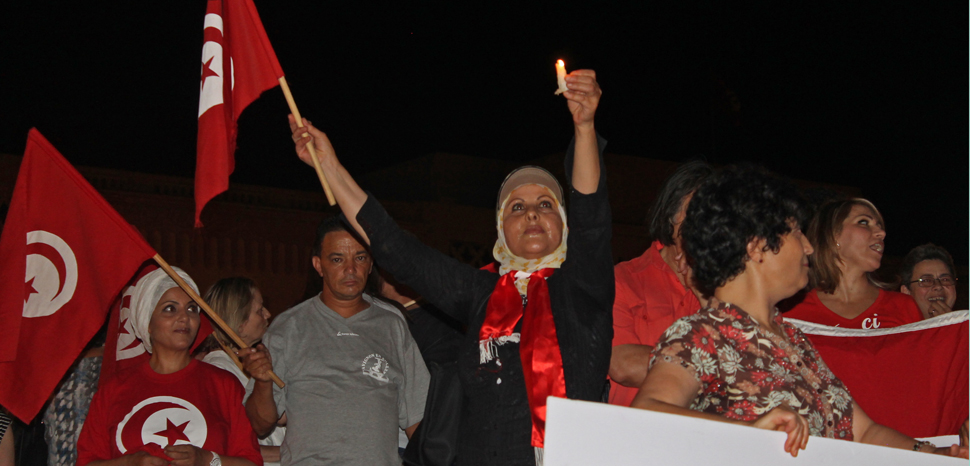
200,405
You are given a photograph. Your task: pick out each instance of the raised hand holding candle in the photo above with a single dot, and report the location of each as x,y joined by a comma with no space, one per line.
561,77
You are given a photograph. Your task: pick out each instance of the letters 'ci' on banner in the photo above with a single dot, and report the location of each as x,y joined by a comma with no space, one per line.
912,378
238,64
66,254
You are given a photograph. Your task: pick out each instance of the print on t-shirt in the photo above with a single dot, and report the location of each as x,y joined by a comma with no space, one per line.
375,366
163,420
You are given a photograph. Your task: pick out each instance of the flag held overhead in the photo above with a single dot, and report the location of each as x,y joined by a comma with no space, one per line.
65,255
238,64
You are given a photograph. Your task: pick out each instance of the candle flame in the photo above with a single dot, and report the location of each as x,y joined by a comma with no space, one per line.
560,63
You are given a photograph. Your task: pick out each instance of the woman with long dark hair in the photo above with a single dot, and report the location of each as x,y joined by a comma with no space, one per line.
849,238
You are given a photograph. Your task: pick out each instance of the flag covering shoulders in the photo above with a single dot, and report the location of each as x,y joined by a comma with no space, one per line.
238,64
913,378
65,253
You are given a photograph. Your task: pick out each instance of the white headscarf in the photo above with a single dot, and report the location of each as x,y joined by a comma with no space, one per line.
509,261
148,291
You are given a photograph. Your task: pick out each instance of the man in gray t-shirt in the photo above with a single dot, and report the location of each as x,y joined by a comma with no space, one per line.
353,374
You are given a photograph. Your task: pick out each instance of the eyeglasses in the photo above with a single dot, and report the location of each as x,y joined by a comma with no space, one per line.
927,281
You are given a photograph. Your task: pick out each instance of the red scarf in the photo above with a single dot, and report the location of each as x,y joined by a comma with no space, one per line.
539,347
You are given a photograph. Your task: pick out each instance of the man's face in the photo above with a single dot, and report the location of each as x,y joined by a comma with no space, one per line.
344,265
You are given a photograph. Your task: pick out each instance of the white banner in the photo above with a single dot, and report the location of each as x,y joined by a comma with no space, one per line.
585,433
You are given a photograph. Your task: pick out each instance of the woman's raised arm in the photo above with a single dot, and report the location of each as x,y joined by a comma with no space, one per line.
583,97
348,194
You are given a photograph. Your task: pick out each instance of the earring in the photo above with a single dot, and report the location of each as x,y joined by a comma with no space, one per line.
837,245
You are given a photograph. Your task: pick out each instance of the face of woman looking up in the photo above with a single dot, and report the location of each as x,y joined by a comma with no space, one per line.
862,240
255,325
531,222
788,269
175,321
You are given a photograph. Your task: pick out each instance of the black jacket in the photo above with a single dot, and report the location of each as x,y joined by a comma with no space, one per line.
496,424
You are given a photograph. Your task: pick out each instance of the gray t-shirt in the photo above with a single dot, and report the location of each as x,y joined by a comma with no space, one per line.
350,383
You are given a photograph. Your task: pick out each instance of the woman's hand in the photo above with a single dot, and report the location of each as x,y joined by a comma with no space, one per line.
345,190
583,97
141,458
301,136
954,450
257,362
786,419
938,308
188,455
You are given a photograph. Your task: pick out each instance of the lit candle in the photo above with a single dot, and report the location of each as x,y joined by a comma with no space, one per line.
561,77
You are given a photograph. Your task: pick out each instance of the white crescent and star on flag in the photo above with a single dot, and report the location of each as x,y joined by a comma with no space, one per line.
128,345
163,420
211,87
50,274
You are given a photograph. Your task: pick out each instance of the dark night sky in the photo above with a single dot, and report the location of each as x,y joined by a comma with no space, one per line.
868,94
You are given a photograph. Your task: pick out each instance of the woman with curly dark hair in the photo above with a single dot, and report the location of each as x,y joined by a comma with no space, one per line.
849,238
737,361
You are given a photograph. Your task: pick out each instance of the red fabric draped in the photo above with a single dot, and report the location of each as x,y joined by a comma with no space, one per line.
912,378
539,347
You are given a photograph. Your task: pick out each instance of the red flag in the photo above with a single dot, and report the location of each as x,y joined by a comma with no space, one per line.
122,349
238,64
65,254
913,378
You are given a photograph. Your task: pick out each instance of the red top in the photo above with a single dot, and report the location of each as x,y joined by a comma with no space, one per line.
649,298
891,309
199,405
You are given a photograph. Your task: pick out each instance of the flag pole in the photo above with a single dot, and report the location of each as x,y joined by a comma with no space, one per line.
309,146
231,354
208,310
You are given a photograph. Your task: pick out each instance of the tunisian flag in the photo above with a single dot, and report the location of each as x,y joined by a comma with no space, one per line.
122,350
64,256
913,378
238,64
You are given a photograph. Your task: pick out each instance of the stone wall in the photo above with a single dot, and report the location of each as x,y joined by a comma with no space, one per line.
446,200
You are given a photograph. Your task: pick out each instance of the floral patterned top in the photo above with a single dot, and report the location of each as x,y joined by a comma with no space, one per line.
745,371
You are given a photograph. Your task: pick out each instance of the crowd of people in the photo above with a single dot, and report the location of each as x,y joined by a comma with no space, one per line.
461,377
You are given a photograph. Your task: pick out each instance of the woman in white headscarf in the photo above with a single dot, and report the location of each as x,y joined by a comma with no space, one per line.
540,327
172,409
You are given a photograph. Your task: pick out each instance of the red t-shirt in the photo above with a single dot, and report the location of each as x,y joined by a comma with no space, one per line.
649,298
891,309
200,405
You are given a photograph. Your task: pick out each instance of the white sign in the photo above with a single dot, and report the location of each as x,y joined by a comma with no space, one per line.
585,433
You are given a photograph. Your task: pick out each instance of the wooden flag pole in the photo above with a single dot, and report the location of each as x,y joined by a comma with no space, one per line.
232,354
208,310
309,146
